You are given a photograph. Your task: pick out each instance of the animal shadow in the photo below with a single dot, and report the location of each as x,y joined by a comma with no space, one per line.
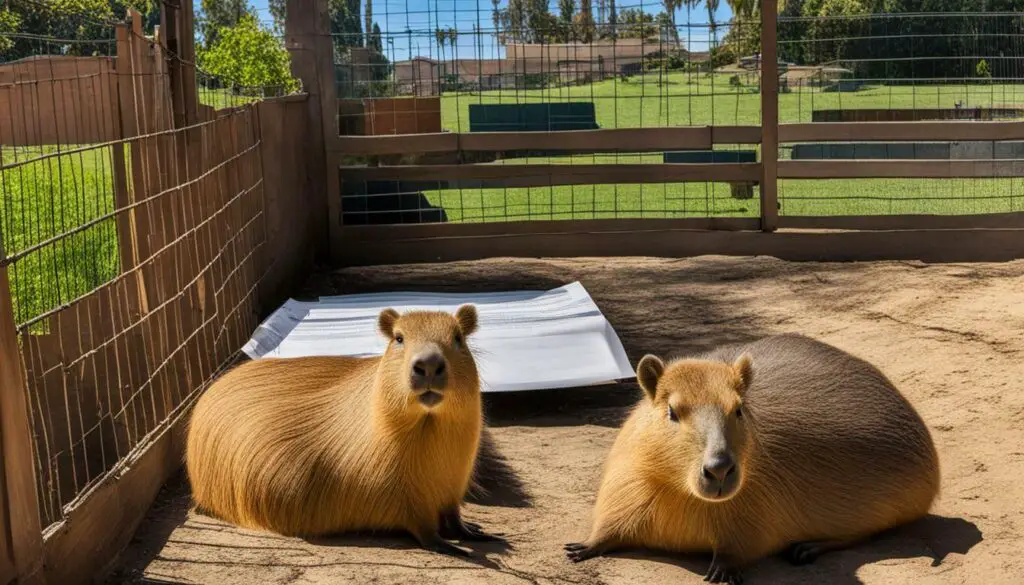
401,541
495,482
935,537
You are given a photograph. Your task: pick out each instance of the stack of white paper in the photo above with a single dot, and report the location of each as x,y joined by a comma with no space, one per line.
527,340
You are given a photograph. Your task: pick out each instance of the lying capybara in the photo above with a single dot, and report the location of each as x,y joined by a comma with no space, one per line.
782,444
322,445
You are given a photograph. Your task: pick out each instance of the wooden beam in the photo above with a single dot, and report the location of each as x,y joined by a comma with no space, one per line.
578,141
544,175
586,141
903,222
769,116
308,40
984,245
19,465
900,131
359,235
896,169
736,134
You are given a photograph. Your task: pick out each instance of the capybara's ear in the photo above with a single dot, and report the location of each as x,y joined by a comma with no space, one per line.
744,366
648,372
386,322
466,316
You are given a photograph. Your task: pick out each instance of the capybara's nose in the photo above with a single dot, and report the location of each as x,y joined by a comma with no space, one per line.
719,466
429,372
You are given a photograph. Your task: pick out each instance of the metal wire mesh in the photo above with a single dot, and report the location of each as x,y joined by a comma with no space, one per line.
134,246
902,67
482,66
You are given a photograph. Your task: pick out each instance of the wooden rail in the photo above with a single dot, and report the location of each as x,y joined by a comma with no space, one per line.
567,141
900,131
546,175
896,169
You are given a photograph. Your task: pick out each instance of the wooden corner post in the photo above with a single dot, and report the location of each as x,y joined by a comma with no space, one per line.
769,116
308,39
19,512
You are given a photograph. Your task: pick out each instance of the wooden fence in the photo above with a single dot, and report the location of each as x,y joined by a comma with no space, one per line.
211,221
988,236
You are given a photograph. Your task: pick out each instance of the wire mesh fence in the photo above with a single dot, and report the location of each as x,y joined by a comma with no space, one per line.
134,244
480,66
473,66
896,68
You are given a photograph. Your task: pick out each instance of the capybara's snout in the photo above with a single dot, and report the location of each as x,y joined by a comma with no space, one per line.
429,372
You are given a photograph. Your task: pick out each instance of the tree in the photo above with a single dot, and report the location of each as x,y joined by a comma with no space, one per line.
250,56
712,6
566,15
369,21
67,20
636,24
278,10
497,17
585,22
346,26
613,18
215,15
669,32
377,41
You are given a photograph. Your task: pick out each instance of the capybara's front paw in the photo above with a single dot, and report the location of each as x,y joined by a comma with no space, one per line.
475,533
578,551
723,571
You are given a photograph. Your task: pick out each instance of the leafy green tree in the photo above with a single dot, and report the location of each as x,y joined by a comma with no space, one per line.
250,56
982,70
636,24
215,15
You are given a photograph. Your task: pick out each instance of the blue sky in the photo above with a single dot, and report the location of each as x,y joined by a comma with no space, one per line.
425,16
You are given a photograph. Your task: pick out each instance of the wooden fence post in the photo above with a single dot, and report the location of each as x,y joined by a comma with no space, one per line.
308,39
769,116
18,472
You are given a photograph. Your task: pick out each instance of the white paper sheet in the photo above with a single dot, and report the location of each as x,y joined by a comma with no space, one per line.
527,340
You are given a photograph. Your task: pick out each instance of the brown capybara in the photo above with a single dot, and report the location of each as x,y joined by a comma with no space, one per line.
323,445
782,444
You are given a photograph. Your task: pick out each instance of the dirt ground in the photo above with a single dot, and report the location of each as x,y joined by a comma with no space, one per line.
950,336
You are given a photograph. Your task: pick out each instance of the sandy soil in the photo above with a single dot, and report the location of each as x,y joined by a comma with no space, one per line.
951,336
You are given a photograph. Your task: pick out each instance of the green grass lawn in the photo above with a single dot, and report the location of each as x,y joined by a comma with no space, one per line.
46,198
682,99
49,197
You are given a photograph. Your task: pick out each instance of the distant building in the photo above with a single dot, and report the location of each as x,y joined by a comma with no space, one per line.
526,64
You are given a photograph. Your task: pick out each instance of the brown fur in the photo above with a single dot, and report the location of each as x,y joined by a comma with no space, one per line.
828,452
321,445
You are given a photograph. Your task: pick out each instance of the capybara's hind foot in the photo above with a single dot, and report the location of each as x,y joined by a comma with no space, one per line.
723,571
805,553
578,551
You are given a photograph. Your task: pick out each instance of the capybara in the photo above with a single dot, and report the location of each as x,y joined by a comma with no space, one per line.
783,444
324,445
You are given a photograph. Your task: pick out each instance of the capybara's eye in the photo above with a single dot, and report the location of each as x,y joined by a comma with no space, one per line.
672,415
399,339
739,412
458,341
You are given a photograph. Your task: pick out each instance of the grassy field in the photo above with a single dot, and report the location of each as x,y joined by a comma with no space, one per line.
679,99
43,199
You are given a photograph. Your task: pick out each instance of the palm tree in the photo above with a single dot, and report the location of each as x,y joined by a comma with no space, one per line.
369,22
712,6
670,8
